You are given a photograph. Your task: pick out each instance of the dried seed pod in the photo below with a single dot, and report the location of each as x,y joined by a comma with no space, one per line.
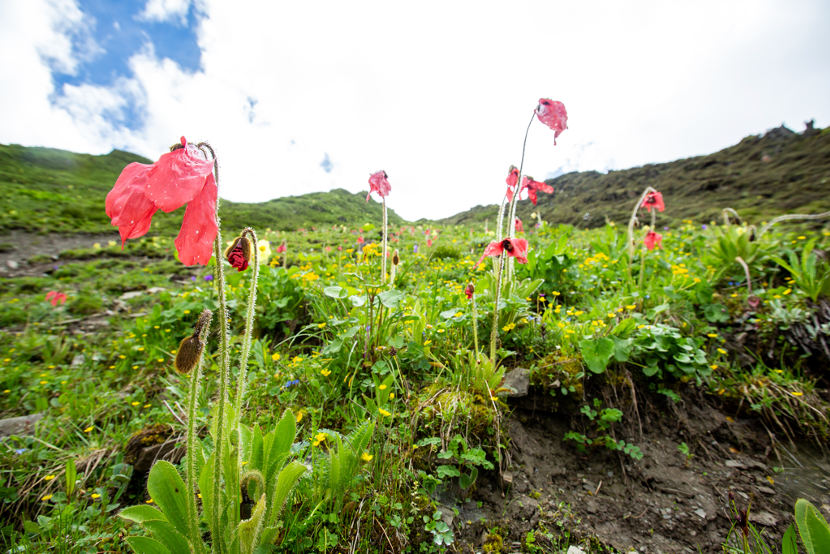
396,258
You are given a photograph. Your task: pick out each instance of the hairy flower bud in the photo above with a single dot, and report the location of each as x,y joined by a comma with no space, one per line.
396,259
239,253
190,349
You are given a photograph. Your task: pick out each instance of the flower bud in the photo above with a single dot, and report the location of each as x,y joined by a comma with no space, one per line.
396,259
190,349
239,253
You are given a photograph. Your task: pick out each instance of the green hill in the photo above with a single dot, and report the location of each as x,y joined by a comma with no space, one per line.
49,190
761,177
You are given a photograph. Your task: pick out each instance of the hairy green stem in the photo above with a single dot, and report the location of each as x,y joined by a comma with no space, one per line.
631,245
494,334
512,221
192,445
383,257
788,217
475,325
249,324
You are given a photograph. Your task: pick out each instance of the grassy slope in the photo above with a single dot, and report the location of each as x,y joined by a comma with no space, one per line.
795,179
49,190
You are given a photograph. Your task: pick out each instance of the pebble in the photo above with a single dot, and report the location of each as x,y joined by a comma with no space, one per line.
701,514
12,264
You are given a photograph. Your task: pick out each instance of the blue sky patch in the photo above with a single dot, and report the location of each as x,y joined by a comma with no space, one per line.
118,32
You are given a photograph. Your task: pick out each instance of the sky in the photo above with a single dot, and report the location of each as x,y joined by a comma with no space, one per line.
298,97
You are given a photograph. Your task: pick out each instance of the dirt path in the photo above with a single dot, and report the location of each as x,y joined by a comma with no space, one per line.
17,247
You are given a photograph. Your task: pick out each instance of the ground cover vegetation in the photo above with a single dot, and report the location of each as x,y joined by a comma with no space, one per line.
368,387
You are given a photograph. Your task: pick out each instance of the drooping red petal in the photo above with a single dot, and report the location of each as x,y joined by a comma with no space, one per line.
531,193
127,204
519,250
378,183
195,241
495,248
519,227
653,239
553,114
653,200
177,178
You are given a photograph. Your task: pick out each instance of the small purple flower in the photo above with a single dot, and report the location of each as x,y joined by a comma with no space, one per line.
704,226
20,451
193,278
665,228
208,277
415,248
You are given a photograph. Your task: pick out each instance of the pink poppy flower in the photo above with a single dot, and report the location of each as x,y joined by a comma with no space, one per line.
359,240
429,243
532,187
55,297
653,200
516,248
469,291
179,177
552,114
519,227
378,183
653,239
512,180
281,248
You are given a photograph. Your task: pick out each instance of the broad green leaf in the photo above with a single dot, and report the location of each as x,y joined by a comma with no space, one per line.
167,489
624,327
142,513
788,542
716,313
288,477
465,481
277,443
391,298
250,529
71,475
146,545
336,292
622,348
814,531
597,353
163,532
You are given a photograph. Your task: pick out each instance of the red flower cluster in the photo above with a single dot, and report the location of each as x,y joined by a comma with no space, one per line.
55,297
179,177
552,114
378,183
515,248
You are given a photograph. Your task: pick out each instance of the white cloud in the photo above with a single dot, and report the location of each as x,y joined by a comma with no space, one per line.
166,10
439,95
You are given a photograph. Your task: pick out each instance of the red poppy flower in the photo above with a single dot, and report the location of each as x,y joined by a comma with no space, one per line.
359,240
179,177
653,239
378,183
429,243
653,200
552,114
281,248
519,227
516,248
469,291
532,187
512,180
55,297
237,259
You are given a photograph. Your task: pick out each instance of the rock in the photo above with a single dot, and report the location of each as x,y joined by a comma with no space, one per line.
735,464
766,490
78,359
23,425
164,451
763,518
12,264
447,515
700,513
154,290
517,381
507,477
575,550
131,294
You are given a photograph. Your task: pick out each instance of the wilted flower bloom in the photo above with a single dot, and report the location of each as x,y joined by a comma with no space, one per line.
378,183
519,227
470,291
653,239
239,253
552,114
516,248
532,187
653,199
179,177
512,180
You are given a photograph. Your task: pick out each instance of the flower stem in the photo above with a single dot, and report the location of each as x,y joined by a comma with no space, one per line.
383,258
192,441
249,325
494,334
511,222
475,325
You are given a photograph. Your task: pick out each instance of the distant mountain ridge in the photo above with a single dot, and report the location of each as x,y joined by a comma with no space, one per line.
760,177
51,190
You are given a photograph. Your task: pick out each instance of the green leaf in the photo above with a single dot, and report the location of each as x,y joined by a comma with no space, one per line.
288,477
597,353
167,489
814,531
277,443
163,532
391,298
142,513
788,542
251,529
71,475
624,327
622,348
716,313
146,545
465,481
336,292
